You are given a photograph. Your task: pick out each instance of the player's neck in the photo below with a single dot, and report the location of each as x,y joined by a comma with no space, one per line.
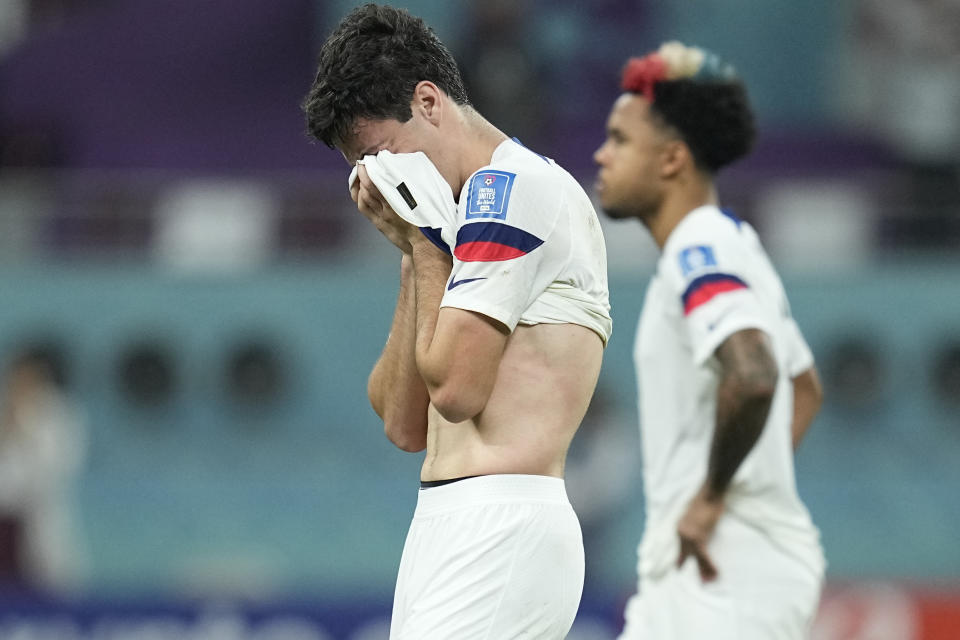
677,204
478,140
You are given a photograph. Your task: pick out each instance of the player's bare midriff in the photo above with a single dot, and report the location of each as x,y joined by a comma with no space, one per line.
543,388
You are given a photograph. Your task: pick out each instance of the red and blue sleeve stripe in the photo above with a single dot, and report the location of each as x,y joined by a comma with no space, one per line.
706,287
492,242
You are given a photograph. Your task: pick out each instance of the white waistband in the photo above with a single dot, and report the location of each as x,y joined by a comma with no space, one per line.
492,489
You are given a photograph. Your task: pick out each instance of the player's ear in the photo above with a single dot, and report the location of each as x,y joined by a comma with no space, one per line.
674,157
427,100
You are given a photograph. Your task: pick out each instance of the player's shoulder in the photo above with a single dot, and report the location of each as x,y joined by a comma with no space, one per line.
516,176
706,239
706,223
534,171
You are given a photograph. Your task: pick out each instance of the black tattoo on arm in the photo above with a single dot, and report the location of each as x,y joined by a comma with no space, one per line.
748,381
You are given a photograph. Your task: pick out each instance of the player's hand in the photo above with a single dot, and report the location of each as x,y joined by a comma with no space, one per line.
375,208
695,529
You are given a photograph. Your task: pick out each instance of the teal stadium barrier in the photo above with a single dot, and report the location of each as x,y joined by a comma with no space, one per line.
304,494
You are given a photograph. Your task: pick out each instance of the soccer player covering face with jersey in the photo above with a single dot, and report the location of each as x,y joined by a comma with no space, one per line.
497,336
727,384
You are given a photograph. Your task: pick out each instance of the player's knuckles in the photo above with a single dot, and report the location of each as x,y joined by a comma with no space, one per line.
373,201
381,227
368,206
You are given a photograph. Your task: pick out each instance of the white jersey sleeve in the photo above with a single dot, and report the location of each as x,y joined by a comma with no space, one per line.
704,265
503,258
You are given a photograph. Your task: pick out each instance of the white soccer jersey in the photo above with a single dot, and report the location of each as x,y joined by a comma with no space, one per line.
529,248
713,279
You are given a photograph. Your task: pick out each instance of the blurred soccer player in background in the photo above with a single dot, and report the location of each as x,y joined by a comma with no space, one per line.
727,384
42,451
496,341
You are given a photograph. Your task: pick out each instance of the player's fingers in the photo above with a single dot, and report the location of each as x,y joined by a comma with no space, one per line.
355,190
367,209
377,221
363,178
708,571
366,199
369,202
685,552
363,202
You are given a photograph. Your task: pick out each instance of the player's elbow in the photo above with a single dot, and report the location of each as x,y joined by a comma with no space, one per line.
404,436
760,388
376,400
457,403
404,425
758,391
752,388
459,390
455,410
755,379
375,391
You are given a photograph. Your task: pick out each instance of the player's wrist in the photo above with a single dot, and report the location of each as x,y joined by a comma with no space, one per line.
711,494
406,265
421,246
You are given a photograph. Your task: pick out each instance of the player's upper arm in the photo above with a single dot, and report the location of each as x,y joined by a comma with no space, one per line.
748,363
503,259
505,253
470,347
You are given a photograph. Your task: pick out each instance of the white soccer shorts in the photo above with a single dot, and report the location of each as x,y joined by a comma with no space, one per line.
761,593
496,557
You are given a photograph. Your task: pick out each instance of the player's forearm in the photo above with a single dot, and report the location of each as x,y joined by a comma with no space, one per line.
396,390
431,269
807,399
744,396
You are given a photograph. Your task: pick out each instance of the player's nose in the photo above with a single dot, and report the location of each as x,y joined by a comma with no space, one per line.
599,155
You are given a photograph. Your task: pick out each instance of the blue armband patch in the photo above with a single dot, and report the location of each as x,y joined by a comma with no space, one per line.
489,194
697,259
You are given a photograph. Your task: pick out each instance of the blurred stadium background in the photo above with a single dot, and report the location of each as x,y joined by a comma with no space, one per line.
204,305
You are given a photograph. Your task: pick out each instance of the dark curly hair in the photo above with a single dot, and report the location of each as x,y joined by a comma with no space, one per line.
714,118
369,67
